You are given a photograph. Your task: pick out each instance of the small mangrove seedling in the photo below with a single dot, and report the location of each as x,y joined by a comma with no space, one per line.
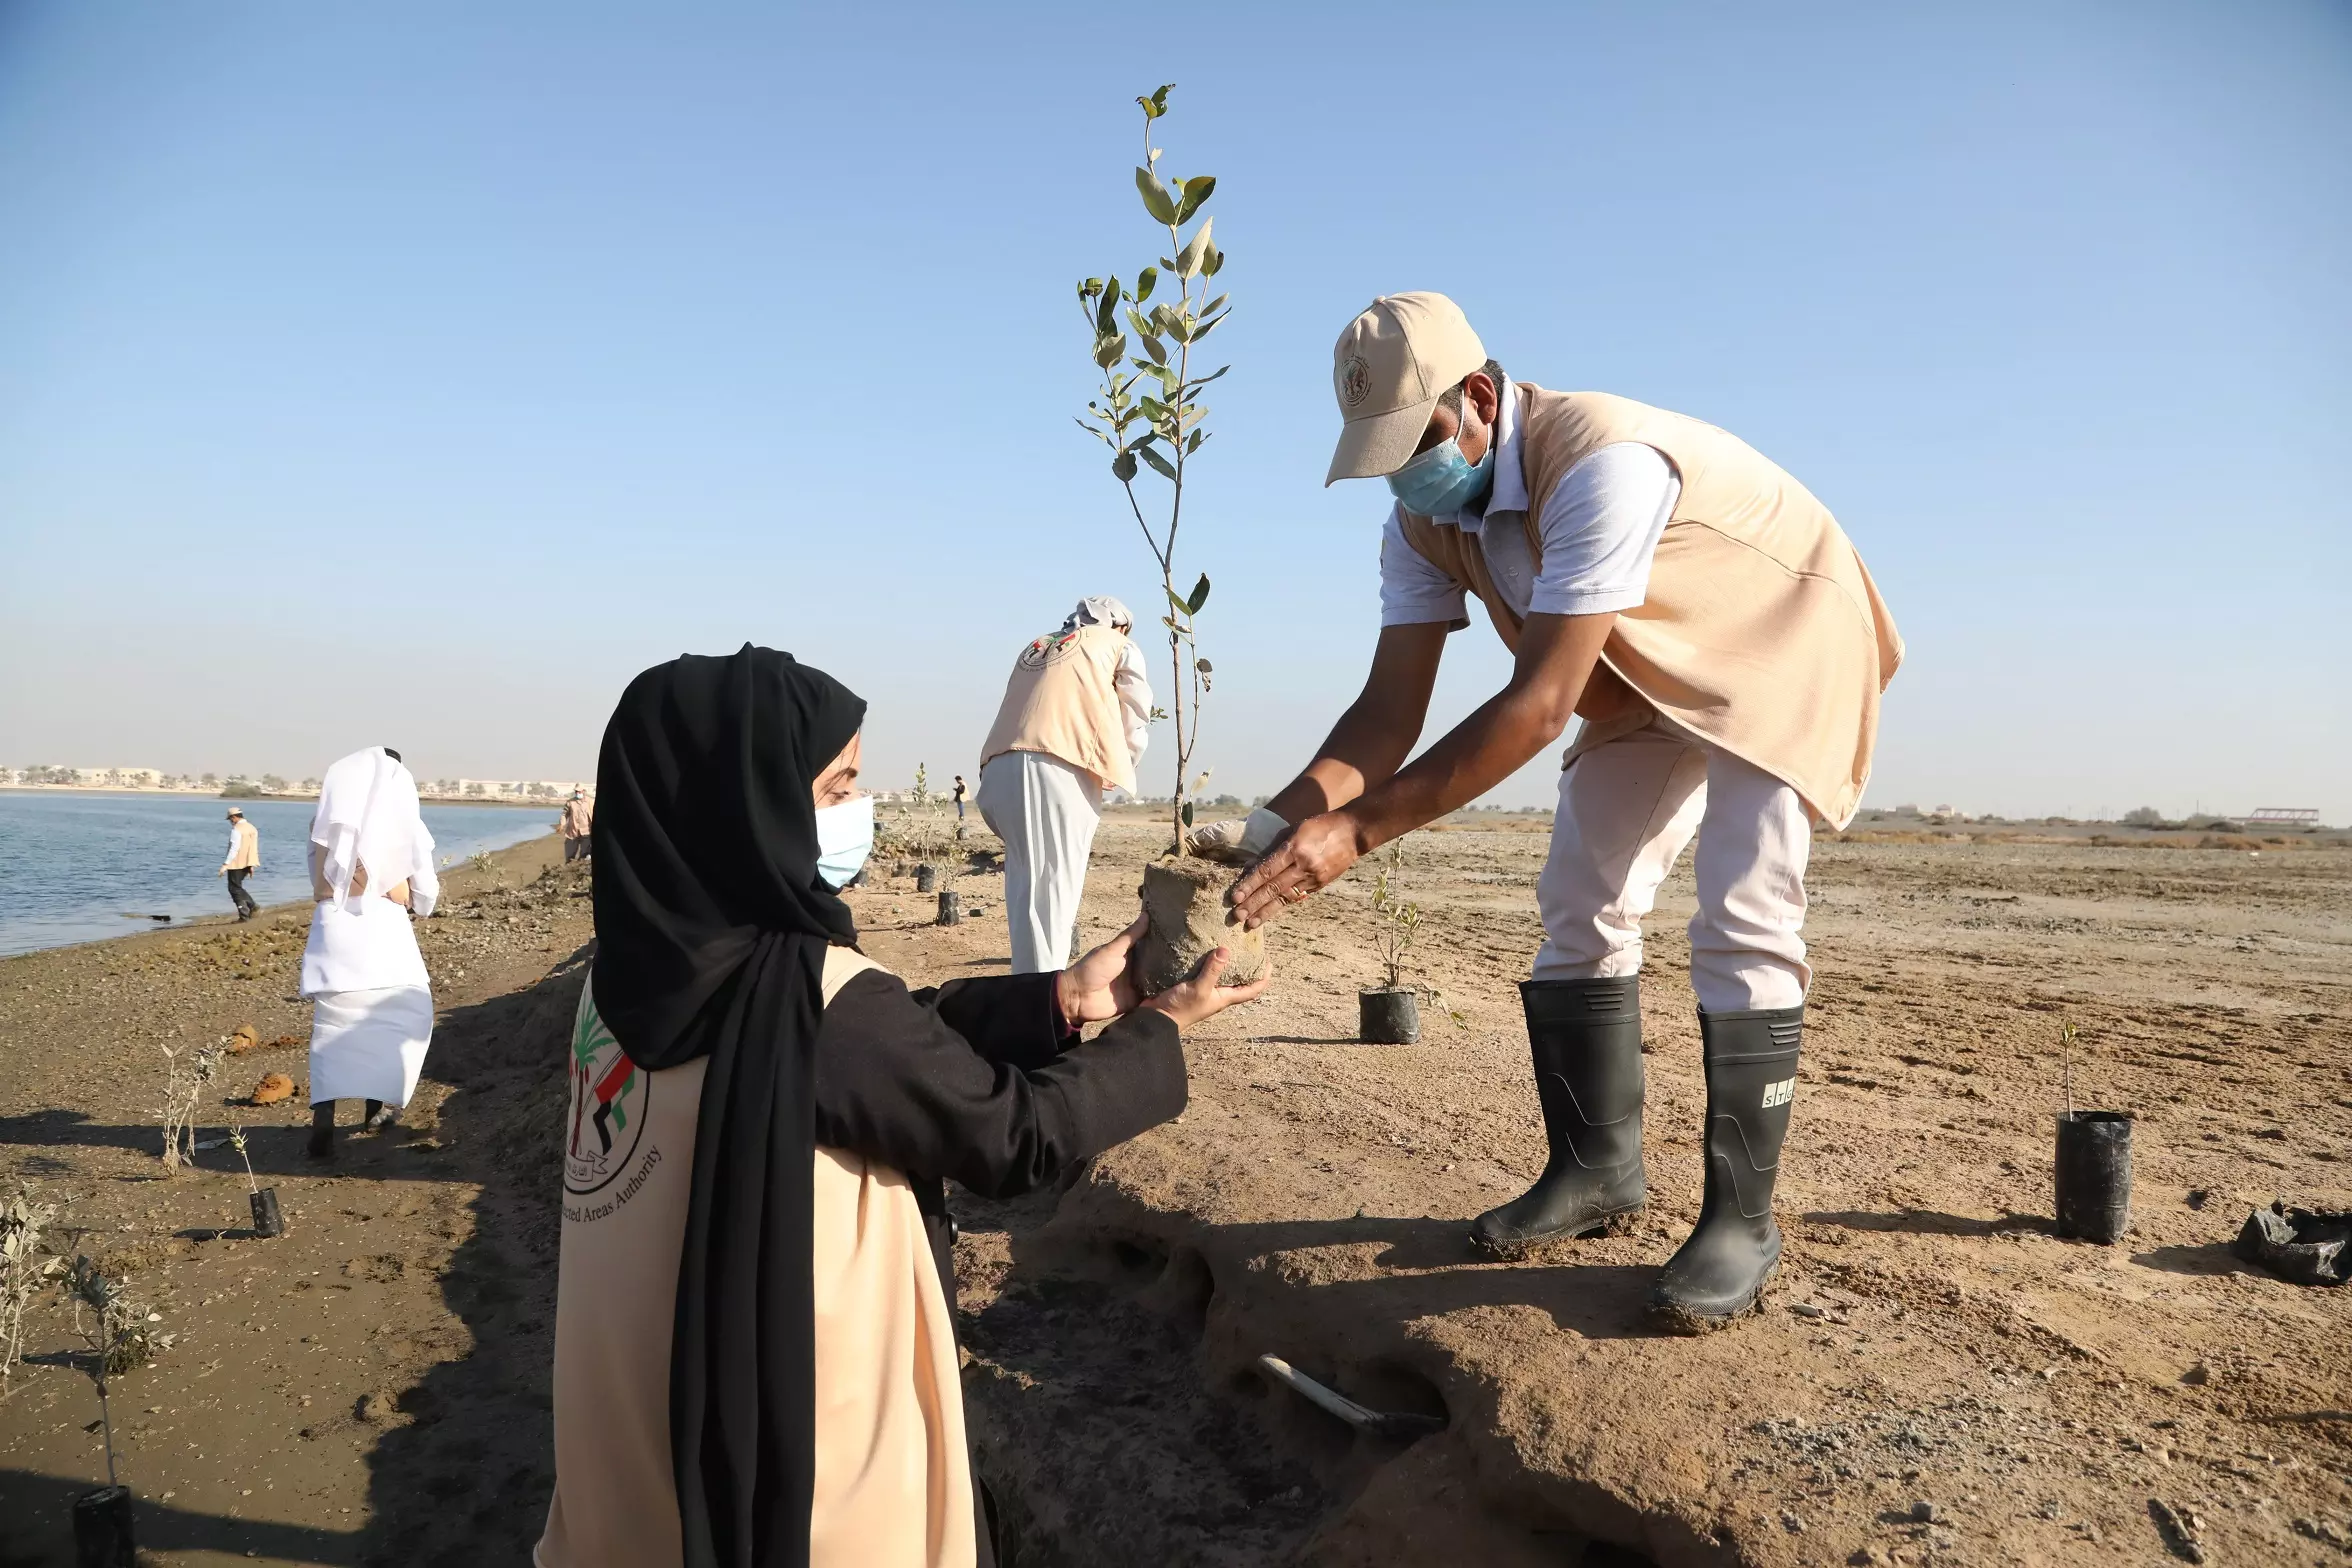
263,1201
25,1267
1400,917
120,1335
187,1074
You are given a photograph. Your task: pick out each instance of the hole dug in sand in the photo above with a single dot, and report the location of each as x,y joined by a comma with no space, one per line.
1116,1422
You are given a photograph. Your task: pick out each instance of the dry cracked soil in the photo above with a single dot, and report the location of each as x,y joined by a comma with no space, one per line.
1934,1377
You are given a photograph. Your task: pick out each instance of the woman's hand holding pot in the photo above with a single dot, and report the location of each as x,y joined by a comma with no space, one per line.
1198,996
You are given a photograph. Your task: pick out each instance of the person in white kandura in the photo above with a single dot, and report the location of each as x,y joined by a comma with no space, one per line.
1075,719
371,868
1713,626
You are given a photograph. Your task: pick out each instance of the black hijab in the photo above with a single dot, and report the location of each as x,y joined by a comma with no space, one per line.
711,932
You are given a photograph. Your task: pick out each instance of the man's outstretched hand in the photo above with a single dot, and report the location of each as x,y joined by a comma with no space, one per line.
1307,859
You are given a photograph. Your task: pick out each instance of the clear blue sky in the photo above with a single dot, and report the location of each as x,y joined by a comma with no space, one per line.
417,374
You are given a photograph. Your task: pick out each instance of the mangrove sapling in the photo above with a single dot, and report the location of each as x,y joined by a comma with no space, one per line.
118,1333
1163,429
262,1200
25,1267
1392,1016
187,1074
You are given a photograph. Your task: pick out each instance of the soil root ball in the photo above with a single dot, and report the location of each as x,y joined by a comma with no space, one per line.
1185,902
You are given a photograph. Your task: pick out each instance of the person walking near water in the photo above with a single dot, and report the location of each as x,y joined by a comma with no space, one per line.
371,867
1717,632
575,825
244,859
1075,719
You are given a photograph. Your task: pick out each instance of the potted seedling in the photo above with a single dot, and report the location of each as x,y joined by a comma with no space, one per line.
1149,413
267,1221
119,1335
1391,1014
2094,1172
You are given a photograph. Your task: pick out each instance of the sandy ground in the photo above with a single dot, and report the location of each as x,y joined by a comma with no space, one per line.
372,1387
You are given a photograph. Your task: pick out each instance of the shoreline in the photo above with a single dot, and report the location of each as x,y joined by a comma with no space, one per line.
456,872
552,801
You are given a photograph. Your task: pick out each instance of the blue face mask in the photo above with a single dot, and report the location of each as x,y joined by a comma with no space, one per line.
845,836
1441,481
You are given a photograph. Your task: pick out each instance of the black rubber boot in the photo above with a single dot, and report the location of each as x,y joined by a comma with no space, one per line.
1586,1038
322,1130
1751,1077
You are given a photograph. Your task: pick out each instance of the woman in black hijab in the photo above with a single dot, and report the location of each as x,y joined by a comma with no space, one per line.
755,1359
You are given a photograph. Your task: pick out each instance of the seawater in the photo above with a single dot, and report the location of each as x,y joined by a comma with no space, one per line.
77,867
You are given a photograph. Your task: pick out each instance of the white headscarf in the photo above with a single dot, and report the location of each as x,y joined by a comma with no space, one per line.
1100,610
368,815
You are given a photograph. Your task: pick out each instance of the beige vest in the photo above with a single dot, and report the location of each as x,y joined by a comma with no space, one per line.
247,854
1762,632
894,1480
1063,701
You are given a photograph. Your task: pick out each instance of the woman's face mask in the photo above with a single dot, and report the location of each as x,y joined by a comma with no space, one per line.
845,836
1441,481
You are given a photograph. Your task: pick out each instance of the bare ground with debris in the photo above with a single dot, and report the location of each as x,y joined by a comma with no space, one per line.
1935,1376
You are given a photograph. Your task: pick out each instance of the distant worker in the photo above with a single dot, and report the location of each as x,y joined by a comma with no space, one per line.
1715,629
576,823
1075,720
371,867
960,792
244,859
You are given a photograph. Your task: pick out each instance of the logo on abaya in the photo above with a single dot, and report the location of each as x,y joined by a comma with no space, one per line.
609,1098
1045,650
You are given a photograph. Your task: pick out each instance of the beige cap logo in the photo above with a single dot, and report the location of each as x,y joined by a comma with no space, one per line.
1389,368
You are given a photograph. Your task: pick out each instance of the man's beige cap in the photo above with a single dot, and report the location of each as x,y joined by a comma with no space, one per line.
1388,369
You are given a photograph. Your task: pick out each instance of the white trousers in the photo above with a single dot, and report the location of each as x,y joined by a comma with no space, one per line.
1046,812
369,1045
1626,811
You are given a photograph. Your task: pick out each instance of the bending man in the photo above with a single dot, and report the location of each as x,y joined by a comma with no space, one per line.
1715,629
1075,719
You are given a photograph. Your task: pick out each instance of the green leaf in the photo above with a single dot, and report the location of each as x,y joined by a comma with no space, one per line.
1151,346
1215,263
1165,469
1210,309
1181,329
1156,199
1106,314
1205,380
1110,348
1147,326
1205,667
1166,265
1156,104
1153,407
1192,442
1144,281
1188,260
1196,191
1188,813
1178,603
1200,594
1123,466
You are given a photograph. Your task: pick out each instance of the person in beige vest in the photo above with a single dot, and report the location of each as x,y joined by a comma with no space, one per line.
1075,719
755,1351
244,858
1715,629
576,823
